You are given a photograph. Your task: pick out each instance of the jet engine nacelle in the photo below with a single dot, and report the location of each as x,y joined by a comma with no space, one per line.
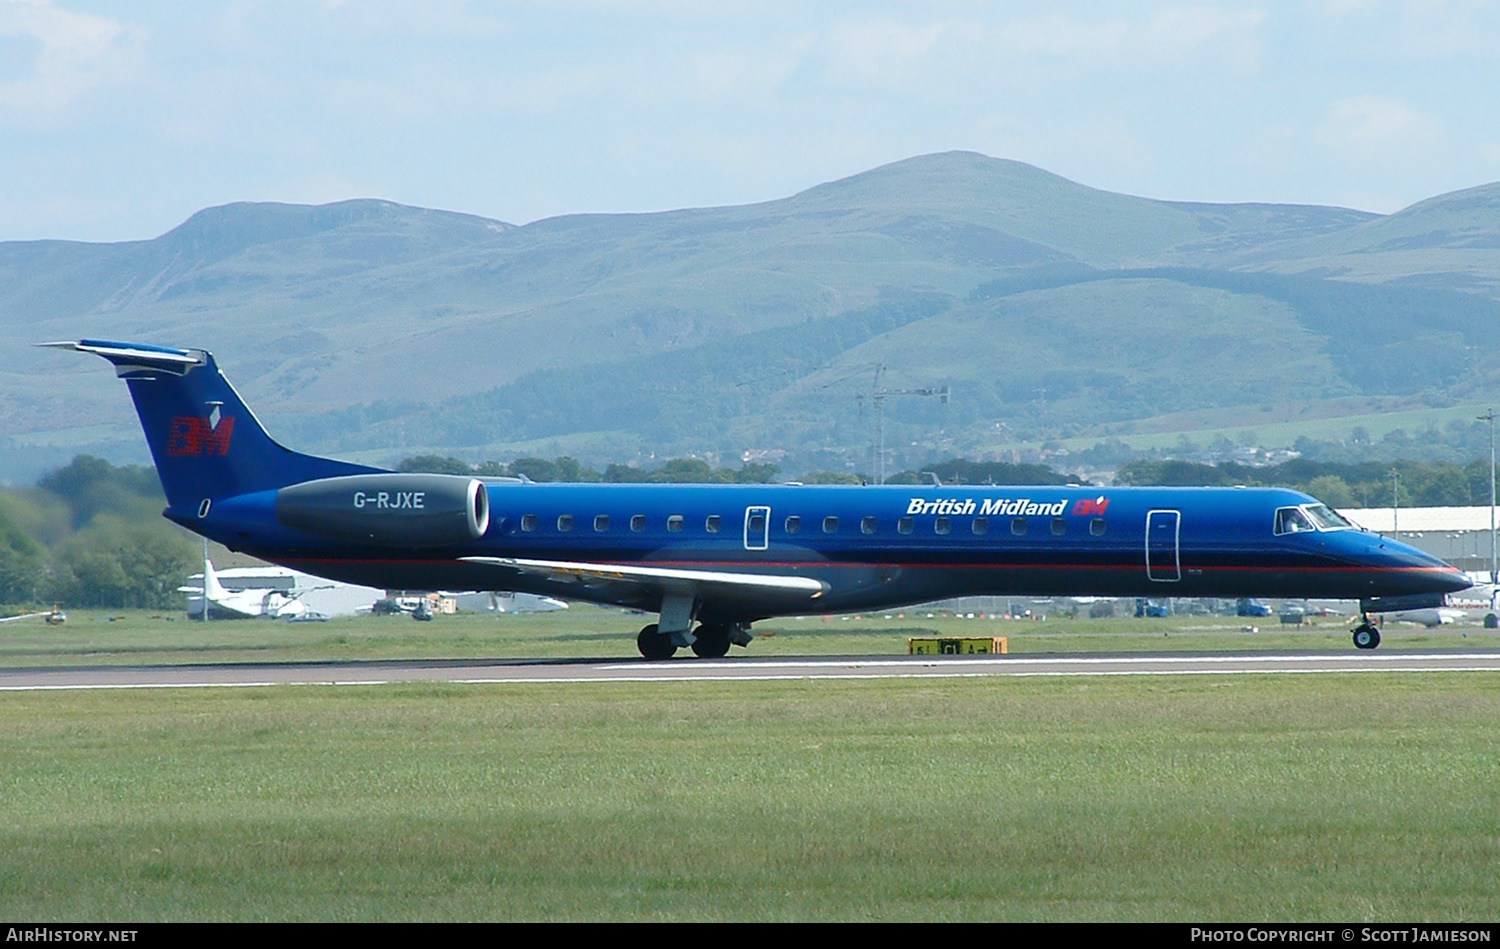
392,510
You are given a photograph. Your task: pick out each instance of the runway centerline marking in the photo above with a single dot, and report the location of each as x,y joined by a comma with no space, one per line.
494,672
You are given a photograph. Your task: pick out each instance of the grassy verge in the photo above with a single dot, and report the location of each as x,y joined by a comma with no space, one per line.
1251,798
124,637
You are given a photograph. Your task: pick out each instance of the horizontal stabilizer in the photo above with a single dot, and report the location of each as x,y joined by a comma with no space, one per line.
206,442
128,357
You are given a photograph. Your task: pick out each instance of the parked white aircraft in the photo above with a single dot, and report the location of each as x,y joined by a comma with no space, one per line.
224,603
1438,616
525,603
54,617
470,601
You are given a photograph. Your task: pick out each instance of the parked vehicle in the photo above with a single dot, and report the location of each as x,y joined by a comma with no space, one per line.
1152,608
1248,607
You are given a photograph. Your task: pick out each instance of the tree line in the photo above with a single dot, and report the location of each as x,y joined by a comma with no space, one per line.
1340,484
91,534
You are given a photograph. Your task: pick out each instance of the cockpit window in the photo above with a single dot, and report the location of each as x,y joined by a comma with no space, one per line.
1327,518
1291,520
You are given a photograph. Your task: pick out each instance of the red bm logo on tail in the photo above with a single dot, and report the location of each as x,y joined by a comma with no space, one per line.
1095,506
197,436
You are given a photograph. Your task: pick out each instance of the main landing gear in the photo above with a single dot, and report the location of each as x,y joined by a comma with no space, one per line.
1366,636
711,640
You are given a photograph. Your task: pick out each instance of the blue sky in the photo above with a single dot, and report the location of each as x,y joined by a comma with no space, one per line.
117,121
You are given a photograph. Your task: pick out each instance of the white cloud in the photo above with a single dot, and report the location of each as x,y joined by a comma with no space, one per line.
1165,35
78,53
873,50
1372,123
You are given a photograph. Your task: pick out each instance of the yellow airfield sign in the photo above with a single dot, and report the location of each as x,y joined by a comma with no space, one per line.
965,646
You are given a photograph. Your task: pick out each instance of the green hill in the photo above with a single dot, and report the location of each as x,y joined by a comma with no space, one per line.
1053,310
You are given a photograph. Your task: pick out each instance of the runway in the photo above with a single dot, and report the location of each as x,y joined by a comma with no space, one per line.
737,669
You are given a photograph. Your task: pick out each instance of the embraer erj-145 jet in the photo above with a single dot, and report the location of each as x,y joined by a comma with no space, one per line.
713,559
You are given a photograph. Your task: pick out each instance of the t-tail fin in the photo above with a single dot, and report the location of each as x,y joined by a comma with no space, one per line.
206,442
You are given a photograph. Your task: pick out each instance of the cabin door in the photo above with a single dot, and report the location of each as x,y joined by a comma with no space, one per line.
757,528
1163,529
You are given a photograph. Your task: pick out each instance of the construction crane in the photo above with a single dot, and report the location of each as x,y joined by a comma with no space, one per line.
878,397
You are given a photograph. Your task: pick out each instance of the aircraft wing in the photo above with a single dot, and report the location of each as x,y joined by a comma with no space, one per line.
12,619
660,580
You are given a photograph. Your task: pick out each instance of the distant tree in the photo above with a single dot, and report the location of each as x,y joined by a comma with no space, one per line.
116,563
92,485
21,562
1174,472
1477,474
964,471
1331,490
435,464
831,477
757,474
1443,485
625,474
685,471
537,469
569,469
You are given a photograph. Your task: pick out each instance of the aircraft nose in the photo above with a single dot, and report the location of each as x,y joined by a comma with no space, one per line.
1455,581
1424,572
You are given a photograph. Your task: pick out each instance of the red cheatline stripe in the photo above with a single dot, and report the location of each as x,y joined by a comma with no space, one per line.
704,564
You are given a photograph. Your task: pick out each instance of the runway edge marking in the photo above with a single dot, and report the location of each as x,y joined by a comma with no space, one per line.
925,672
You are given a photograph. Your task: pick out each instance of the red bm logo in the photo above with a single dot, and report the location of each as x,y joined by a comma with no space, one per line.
1095,506
196,436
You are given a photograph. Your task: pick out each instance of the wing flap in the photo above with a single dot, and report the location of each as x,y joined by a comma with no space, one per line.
660,578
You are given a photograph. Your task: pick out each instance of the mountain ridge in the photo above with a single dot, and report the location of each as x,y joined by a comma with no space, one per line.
328,316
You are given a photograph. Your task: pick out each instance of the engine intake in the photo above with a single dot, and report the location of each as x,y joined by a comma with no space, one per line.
391,510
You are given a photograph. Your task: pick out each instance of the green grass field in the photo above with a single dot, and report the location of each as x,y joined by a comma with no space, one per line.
1311,797
1353,797
138,637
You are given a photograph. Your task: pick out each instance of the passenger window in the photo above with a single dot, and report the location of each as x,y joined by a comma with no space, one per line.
867,525
674,523
905,525
713,524
601,522
564,522
980,525
942,525
1059,526
1018,526
638,522
528,522
757,524
1097,527
1291,520
794,525
830,525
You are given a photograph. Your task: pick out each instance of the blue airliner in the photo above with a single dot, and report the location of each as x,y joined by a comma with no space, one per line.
713,559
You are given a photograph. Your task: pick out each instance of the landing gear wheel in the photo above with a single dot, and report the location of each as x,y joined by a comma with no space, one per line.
711,642
653,645
1366,636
